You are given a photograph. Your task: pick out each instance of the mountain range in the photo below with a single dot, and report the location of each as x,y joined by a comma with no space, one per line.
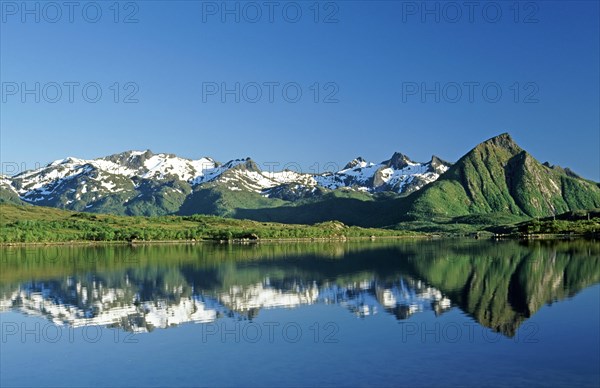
495,177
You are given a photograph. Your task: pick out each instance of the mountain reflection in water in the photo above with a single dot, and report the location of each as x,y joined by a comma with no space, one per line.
139,289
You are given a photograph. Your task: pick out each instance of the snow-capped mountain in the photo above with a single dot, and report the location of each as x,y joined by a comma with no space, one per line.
133,165
141,182
398,174
77,302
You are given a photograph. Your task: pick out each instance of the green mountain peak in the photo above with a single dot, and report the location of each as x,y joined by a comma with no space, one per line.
498,176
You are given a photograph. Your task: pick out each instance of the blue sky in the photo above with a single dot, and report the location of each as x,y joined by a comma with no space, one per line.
369,61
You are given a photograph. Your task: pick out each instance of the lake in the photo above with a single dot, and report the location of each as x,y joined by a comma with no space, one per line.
401,313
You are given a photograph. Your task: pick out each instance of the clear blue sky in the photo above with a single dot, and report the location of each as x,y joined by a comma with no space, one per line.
374,54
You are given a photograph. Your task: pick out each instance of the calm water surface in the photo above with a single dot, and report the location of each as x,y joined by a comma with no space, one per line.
410,313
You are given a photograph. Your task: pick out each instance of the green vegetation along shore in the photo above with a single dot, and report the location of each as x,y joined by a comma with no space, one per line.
577,223
36,224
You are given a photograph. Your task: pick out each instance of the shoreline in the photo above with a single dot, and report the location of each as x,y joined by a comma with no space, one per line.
430,236
233,241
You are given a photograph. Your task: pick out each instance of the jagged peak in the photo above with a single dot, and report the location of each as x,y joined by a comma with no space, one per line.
564,170
146,152
242,164
359,161
504,140
398,161
505,136
136,152
572,173
436,161
128,156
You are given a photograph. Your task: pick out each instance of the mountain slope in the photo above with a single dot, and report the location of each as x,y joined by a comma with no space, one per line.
8,194
144,183
496,182
498,176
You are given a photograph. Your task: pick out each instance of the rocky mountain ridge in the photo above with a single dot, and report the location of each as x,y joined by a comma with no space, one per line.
144,183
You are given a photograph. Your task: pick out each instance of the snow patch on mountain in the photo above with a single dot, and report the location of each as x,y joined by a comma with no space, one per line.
212,172
6,183
70,180
395,175
34,184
